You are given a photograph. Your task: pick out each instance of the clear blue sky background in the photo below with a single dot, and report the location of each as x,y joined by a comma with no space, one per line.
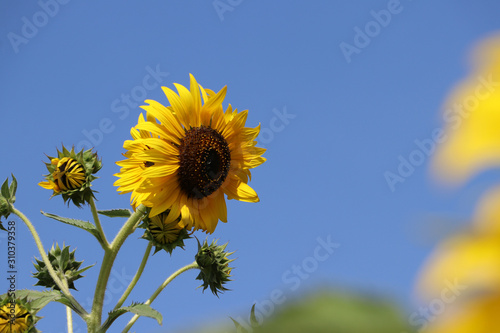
352,120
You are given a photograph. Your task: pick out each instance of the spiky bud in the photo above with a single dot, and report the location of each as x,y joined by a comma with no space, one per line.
65,265
214,266
71,175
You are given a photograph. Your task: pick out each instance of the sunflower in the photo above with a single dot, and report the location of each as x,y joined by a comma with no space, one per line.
186,156
14,318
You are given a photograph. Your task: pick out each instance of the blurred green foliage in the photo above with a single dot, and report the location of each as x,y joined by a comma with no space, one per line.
328,311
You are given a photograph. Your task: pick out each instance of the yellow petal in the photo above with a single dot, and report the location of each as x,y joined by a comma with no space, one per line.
478,315
236,189
472,135
472,260
487,217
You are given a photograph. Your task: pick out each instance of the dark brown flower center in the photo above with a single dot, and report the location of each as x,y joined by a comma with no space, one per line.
204,162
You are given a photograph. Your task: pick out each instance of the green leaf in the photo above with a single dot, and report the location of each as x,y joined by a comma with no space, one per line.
13,189
143,310
330,311
5,189
77,223
2,227
116,212
253,319
253,322
239,328
38,299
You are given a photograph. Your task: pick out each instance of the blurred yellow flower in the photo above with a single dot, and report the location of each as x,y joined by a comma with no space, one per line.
470,259
477,315
472,116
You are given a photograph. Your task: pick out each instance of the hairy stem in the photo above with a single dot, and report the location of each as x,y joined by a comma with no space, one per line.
136,278
69,316
62,286
107,263
159,290
95,215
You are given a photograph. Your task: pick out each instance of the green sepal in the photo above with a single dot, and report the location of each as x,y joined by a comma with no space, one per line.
4,190
2,227
85,225
13,189
140,309
64,258
7,196
115,212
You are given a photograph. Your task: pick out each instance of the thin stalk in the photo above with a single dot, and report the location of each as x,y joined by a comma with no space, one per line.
95,215
62,286
69,316
107,263
159,290
136,278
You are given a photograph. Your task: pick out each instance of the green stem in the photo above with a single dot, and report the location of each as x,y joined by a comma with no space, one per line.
107,263
62,286
69,316
159,290
103,241
136,278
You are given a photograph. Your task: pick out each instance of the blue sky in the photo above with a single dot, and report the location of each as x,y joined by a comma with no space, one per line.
335,122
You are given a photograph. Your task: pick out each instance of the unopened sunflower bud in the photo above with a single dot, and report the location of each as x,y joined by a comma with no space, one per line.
164,231
71,175
214,267
16,316
65,265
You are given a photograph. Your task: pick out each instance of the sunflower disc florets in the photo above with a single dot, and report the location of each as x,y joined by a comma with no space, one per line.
65,265
17,316
214,266
71,175
164,231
